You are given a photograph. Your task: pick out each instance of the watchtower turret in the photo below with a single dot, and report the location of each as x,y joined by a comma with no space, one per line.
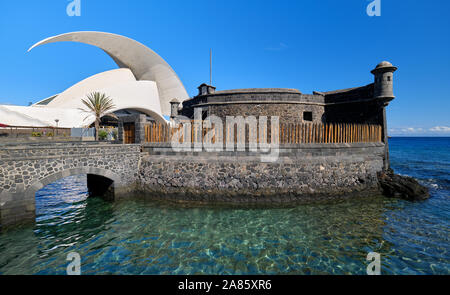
384,80
174,106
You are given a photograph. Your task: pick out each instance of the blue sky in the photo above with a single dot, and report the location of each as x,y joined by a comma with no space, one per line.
309,45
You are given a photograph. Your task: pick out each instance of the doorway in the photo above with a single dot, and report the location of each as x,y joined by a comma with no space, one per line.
128,133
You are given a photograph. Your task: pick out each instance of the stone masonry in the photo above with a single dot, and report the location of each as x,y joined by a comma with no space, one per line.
302,173
288,104
26,169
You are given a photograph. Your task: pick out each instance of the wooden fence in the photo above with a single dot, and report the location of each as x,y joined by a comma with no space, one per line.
288,133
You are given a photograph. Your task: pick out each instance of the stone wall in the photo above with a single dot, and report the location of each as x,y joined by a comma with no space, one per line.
356,105
353,105
288,104
302,173
288,112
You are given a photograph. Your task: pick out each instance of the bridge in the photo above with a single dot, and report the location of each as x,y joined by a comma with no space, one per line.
112,172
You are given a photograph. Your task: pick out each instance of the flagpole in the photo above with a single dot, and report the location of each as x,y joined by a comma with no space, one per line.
210,67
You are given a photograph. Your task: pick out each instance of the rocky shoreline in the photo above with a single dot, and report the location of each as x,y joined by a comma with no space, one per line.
403,187
390,185
296,178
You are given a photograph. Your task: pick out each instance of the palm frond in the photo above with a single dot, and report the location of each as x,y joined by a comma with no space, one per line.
99,104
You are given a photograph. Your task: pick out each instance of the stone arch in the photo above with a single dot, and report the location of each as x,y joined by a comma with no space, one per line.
157,117
30,192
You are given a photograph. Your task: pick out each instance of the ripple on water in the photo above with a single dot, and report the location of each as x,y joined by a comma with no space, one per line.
138,237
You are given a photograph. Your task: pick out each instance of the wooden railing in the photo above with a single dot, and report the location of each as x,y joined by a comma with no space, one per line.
288,133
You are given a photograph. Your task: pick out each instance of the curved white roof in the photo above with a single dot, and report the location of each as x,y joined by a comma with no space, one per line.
121,86
42,117
92,84
143,62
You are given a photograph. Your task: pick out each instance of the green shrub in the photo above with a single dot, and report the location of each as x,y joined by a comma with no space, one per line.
102,134
50,134
36,134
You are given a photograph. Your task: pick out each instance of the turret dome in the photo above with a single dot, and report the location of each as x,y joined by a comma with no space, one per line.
384,65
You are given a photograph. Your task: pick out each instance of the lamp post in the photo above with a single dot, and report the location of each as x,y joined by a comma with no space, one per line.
57,121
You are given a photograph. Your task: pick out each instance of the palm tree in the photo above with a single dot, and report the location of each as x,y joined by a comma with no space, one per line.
99,105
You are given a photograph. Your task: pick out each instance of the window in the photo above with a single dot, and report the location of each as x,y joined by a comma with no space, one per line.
204,114
307,116
204,90
389,78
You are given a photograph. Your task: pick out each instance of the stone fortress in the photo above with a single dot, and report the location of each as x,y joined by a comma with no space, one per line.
137,166
354,105
303,172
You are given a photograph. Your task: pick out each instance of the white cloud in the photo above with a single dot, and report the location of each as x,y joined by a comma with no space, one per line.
281,46
406,130
419,131
412,129
440,129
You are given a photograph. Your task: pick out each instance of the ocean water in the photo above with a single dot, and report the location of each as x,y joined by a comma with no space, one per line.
139,237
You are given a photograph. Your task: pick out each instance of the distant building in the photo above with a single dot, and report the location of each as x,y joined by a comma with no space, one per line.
144,84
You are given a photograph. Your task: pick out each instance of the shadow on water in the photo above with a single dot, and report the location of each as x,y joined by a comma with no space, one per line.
65,216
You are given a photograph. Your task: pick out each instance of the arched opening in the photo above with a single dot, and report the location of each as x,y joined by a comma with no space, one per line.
90,185
66,206
108,121
100,186
97,182
61,198
109,125
102,180
73,186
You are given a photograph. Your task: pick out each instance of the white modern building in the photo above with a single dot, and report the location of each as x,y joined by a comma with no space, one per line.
144,83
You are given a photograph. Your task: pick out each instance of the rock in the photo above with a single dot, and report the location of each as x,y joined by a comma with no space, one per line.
403,187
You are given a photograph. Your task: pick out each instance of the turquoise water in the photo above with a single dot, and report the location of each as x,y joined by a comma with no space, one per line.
139,237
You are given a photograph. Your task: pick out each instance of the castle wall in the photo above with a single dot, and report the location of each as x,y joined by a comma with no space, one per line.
302,173
355,105
288,113
357,113
288,104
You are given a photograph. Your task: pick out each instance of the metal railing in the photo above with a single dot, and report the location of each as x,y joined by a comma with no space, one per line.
25,131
